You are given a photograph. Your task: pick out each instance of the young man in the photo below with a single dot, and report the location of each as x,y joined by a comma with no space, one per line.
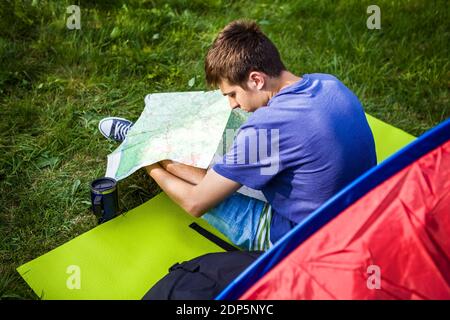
314,127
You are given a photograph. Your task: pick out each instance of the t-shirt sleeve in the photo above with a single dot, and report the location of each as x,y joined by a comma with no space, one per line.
253,159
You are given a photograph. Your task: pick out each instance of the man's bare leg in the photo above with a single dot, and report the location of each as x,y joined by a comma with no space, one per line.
191,174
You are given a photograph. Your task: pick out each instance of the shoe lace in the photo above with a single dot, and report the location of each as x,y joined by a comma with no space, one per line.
121,131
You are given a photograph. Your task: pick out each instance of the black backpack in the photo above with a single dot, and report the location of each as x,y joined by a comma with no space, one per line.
202,278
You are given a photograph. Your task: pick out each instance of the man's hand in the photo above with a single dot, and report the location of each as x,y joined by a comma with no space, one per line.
195,199
191,174
152,167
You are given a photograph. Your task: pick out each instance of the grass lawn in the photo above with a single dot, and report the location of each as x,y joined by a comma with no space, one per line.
56,84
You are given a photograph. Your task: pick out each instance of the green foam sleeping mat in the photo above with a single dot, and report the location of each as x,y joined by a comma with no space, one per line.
124,257
121,258
388,139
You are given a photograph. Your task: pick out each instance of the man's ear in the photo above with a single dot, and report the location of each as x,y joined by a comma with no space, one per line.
257,80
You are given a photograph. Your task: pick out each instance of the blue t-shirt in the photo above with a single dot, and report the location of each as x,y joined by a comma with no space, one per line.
310,141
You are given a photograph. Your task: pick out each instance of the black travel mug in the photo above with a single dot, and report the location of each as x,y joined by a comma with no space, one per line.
104,198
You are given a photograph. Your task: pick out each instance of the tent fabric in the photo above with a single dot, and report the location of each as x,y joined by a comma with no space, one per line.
411,189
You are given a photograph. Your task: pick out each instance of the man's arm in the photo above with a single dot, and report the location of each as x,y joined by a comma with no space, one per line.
195,199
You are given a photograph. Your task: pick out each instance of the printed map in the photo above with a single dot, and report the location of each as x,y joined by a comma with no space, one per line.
186,127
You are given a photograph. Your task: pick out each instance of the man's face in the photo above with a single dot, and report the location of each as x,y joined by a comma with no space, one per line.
248,100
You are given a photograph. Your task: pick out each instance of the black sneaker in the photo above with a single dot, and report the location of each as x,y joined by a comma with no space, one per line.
114,128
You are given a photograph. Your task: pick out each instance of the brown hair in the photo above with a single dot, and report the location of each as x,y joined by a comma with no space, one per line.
239,49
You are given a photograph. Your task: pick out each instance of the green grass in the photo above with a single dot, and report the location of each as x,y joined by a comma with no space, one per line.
56,84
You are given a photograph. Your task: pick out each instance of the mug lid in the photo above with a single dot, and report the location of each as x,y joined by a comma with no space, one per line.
103,184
